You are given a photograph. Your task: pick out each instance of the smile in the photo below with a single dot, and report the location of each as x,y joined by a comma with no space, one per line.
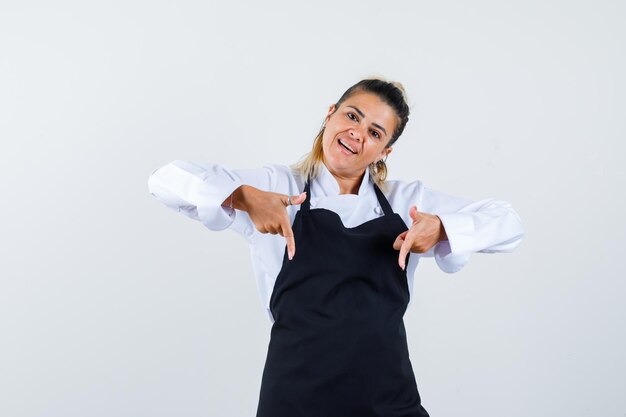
345,145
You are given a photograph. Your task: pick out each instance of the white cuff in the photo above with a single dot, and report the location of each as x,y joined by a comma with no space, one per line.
215,216
184,184
452,254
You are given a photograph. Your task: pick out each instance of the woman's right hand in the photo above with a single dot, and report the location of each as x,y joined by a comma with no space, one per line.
268,212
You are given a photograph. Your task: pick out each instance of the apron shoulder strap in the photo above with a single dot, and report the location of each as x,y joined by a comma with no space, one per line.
307,189
382,200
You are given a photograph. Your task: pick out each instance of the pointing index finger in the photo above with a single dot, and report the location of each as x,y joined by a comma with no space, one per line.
291,246
291,241
404,250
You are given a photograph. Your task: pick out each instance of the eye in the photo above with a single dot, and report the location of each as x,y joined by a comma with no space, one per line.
352,116
375,134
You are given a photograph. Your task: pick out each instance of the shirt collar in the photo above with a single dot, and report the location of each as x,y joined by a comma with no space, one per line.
329,186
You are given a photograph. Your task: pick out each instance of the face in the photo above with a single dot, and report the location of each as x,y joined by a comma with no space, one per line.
357,134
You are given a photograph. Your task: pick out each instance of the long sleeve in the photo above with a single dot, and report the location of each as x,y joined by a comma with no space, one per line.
487,226
198,189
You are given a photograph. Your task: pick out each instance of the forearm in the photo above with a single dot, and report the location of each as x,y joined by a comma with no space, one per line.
202,191
488,226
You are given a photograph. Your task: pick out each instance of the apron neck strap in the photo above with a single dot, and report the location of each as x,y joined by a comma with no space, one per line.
307,189
382,200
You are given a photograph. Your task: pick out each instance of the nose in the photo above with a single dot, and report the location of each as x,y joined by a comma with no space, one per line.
356,134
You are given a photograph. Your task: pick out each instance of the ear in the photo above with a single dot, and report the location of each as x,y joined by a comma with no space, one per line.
385,152
331,110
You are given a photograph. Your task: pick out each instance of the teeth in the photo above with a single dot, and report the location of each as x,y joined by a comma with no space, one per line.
347,146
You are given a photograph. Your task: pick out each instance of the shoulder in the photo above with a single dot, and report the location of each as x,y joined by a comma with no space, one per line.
284,178
402,190
402,195
280,170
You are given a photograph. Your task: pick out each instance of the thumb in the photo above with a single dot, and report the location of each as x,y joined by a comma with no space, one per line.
414,213
298,199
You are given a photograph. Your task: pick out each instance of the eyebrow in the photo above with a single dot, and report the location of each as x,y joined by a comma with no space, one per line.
363,116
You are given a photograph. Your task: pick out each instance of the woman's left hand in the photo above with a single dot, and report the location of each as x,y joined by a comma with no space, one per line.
425,232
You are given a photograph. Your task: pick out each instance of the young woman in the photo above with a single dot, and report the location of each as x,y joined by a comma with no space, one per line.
337,281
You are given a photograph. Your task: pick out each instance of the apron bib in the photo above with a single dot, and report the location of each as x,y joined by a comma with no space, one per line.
338,345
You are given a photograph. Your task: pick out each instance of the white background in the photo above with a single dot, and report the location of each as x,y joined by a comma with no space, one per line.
113,305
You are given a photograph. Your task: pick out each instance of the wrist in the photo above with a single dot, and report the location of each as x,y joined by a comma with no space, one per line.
240,197
442,231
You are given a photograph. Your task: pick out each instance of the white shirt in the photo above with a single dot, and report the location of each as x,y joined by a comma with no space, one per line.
198,189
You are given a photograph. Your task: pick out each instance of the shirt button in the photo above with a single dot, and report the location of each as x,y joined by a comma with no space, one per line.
378,210
313,203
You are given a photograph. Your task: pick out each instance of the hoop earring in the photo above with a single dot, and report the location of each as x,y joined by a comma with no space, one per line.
377,166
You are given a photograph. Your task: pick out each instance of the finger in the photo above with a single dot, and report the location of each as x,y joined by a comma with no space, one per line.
291,246
293,200
298,199
287,233
404,250
397,244
272,229
413,212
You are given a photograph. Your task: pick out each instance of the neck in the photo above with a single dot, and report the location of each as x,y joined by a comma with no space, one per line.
348,184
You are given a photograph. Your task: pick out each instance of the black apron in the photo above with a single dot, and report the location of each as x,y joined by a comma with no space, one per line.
338,345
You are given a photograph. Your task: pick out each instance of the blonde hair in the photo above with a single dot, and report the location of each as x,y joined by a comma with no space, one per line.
392,93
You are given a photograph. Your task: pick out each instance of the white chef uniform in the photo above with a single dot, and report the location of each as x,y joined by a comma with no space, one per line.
198,190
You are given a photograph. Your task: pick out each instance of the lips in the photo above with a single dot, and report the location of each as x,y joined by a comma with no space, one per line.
347,146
